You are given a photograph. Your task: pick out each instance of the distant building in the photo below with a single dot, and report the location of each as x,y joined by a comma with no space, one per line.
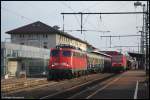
41,35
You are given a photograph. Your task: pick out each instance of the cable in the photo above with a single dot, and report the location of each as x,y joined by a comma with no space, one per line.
72,10
90,7
86,19
91,24
16,14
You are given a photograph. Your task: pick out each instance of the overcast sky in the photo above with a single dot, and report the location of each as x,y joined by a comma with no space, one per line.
15,14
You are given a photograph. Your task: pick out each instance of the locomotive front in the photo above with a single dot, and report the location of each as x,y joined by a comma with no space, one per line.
60,63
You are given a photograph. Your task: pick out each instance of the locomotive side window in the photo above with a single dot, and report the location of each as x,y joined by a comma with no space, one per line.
66,53
77,54
55,53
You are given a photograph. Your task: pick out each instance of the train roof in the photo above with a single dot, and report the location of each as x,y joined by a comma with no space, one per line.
112,52
101,53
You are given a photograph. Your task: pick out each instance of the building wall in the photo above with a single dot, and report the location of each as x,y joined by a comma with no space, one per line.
60,39
45,40
37,40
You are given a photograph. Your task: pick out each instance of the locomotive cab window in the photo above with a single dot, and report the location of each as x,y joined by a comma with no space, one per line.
66,53
55,53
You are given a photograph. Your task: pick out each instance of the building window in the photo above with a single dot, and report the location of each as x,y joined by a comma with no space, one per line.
22,43
59,37
45,45
23,67
46,35
37,36
65,39
12,36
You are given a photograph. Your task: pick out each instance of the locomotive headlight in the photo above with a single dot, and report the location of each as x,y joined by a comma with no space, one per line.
54,64
64,64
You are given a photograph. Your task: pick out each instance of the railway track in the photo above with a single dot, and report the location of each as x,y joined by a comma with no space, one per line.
79,89
46,89
20,84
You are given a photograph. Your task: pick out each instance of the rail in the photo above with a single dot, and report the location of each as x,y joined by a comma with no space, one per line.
69,92
23,83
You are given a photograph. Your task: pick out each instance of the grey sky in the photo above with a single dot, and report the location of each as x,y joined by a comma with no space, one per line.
18,13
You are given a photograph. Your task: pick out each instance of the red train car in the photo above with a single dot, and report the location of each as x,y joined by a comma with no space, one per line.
66,63
119,61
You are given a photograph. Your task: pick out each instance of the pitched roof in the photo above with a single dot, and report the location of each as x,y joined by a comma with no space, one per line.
39,27
36,27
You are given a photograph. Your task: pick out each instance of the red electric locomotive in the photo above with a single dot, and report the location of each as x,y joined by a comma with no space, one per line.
119,61
66,62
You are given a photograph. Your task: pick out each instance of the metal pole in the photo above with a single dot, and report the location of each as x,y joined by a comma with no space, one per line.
110,41
146,37
81,22
143,32
108,13
63,23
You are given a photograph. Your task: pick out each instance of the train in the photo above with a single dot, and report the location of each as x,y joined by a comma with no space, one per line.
67,62
119,61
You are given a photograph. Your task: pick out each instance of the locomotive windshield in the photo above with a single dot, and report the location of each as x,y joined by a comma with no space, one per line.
66,53
117,58
55,53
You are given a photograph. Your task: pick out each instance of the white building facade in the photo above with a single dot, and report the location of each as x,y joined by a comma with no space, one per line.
41,35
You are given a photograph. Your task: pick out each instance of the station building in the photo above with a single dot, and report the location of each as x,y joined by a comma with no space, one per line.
29,50
39,34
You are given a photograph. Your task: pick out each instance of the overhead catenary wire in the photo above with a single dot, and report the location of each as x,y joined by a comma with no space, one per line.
17,14
94,5
72,10
120,35
87,9
110,36
88,30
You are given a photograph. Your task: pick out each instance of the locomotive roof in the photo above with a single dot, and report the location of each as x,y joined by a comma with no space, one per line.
72,49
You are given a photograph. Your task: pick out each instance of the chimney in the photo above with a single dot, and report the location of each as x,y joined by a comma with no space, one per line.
56,27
